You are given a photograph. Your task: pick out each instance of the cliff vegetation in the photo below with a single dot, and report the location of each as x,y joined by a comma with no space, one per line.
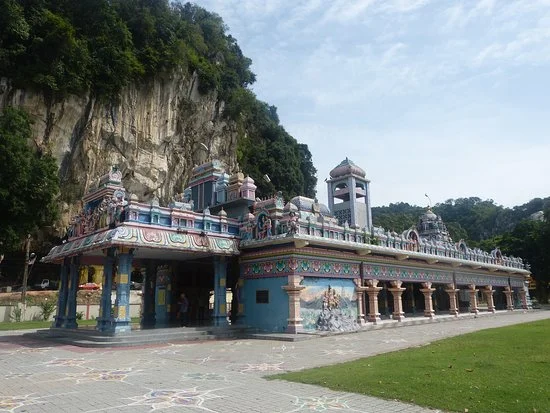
104,50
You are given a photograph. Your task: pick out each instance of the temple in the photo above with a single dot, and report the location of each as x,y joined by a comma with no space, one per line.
271,264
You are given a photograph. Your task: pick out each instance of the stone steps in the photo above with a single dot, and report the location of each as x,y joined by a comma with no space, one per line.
91,338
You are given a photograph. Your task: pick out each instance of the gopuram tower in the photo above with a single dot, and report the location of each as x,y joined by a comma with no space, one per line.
349,195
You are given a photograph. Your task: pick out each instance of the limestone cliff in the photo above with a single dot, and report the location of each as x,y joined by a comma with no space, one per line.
154,134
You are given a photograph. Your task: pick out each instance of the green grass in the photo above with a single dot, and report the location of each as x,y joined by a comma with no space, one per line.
26,325
497,370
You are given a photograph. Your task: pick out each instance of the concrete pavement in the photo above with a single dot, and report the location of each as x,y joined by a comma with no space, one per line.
209,376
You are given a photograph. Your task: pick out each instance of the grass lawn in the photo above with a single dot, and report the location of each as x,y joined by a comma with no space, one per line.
497,370
24,325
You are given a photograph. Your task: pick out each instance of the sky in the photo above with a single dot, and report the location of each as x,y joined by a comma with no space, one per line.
448,98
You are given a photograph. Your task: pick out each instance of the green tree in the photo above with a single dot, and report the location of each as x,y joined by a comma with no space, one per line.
29,183
530,240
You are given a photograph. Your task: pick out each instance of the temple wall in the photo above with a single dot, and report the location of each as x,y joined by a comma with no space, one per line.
271,316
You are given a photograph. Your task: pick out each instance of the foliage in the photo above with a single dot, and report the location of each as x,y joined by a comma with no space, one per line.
471,218
47,308
29,182
80,315
16,314
63,47
266,148
479,372
397,217
530,240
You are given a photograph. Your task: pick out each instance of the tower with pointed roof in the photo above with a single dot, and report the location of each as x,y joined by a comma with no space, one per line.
349,195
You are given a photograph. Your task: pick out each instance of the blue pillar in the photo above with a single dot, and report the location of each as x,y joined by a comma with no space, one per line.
70,312
63,291
104,319
220,305
121,317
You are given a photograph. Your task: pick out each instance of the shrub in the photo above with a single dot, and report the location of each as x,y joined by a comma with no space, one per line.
16,313
47,308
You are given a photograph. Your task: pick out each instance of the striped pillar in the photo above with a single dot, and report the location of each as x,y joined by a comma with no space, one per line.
120,322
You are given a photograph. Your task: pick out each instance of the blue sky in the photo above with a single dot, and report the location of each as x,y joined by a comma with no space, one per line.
444,97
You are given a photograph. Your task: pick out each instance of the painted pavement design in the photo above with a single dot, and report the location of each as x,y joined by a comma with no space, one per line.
211,376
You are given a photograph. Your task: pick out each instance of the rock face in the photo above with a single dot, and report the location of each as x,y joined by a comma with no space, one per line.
156,133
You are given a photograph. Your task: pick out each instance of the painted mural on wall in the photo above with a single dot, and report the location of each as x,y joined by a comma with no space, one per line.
328,304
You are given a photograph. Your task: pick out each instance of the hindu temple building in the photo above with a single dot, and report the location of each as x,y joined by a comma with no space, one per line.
288,265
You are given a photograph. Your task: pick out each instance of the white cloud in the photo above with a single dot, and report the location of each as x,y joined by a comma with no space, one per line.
443,97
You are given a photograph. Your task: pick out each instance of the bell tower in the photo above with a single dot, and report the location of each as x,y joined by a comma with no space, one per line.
349,195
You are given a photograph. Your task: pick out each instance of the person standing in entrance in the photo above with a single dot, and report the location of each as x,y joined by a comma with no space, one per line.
183,311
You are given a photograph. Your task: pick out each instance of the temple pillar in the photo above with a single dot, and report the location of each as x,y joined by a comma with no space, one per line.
120,322
70,309
428,302
488,291
397,292
293,289
63,293
104,319
360,292
523,299
509,300
148,314
372,291
473,299
452,291
220,304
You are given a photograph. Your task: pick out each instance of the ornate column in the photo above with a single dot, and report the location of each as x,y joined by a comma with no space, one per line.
452,291
523,299
397,292
428,303
293,289
488,291
360,292
63,292
121,315
70,309
509,301
372,292
473,298
104,319
220,304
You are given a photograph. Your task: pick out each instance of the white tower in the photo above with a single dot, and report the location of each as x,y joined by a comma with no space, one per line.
348,195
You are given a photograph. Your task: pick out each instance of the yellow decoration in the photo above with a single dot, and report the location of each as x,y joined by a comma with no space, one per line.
222,309
122,279
98,274
222,282
161,297
122,312
241,308
83,275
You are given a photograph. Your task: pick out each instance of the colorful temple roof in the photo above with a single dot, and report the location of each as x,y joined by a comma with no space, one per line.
239,220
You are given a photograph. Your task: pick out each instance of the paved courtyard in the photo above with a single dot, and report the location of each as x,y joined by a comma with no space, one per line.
209,376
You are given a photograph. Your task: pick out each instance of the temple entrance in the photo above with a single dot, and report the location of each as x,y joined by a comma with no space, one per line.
195,278
209,297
